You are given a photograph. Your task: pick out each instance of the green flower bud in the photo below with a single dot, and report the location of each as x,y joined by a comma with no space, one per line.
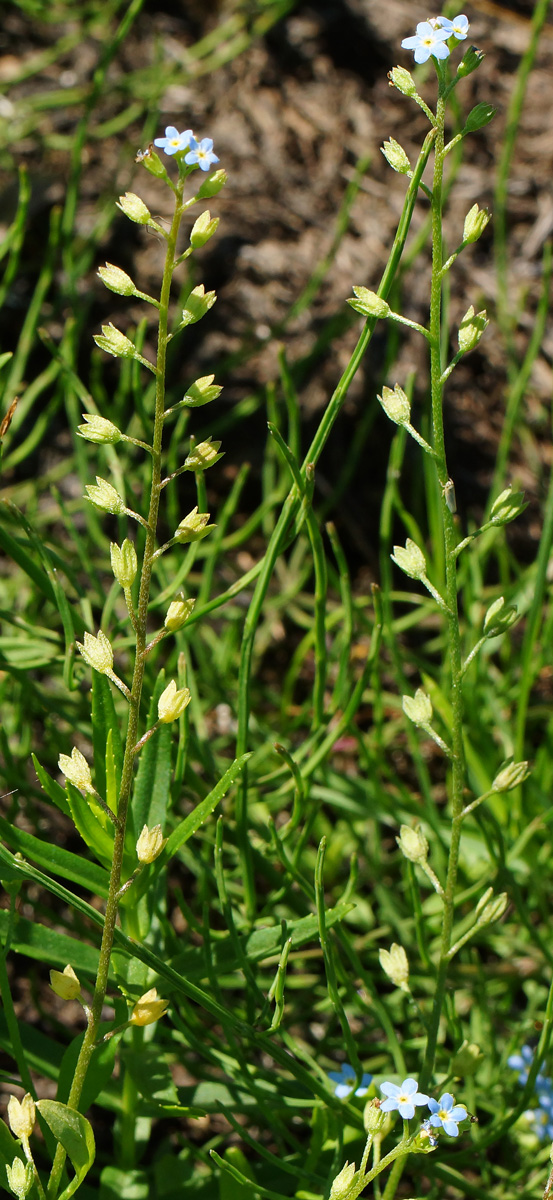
368,303
395,404
466,1060
343,1183
76,769
134,208
204,455
403,81
194,527
199,302
65,983
150,844
395,964
97,652
396,156
22,1116
499,617
410,560
212,185
153,163
178,613
490,908
124,563
114,342
475,223
20,1177
470,61
148,1009
511,775
373,1117
116,280
418,708
105,497
203,229
479,116
508,505
99,430
172,703
471,329
412,842
202,391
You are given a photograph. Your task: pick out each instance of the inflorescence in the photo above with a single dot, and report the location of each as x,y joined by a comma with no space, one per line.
405,1098
198,153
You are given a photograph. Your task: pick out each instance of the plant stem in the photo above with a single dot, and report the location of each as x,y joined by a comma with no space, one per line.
113,897
452,615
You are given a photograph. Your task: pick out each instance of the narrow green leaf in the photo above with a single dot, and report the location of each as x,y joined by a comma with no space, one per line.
117,1184
53,858
104,718
203,810
53,790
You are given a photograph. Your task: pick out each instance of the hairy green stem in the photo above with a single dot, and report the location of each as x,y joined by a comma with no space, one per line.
113,897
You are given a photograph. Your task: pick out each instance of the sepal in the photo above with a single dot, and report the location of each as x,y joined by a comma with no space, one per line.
99,430
197,305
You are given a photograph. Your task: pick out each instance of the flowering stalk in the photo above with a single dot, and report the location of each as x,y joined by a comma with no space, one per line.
139,622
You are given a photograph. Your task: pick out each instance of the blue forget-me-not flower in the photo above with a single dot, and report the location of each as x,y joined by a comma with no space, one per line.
201,153
344,1082
405,1098
446,1114
173,142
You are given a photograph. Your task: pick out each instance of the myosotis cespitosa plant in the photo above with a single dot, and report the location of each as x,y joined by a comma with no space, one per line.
119,804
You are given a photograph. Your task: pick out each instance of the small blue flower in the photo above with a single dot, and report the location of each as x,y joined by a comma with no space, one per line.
201,153
344,1082
446,1114
458,27
542,1123
428,40
404,1098
174,141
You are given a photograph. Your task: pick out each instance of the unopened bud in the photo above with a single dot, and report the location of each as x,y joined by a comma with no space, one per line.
410,559
194,527
508,505
212,185
177,613
105,497
395,964
412,842
475,223
470,61
368,303
153,164
396,156
20,1178
471,329
203,229
22,1116
114,342
134,208
198,303
204,455
479,116
76,769
418,708
511,775
201,392
403,81
343,1183
499,617
150,844
373,1117
490,910
395,404
172,703
65,983
124,563
116,280
99,430
148,1009
466,1060
97,652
